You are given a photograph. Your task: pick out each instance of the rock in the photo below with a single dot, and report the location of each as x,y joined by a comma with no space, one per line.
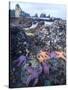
52,37
19,12
42,36
43,15
17,46
58,34
57,67
22,22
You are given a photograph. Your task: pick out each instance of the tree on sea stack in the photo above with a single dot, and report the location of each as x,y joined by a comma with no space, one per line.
36,15
43,15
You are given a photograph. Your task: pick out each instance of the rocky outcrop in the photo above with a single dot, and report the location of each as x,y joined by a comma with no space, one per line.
19,12
25,49
21,22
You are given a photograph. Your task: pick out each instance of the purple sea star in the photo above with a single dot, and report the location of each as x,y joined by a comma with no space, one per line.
45,68
21,60
33,74
52,55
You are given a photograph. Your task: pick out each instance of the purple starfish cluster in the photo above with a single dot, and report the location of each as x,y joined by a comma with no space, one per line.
35,72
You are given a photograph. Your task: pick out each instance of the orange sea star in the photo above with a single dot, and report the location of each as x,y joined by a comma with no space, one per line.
60,54
42,56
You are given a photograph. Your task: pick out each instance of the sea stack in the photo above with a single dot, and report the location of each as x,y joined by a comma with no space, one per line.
18,10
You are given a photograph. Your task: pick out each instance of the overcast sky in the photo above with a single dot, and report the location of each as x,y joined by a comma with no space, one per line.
56,10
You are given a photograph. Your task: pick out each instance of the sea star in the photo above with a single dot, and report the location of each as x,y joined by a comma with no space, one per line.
33,75
21,60
52,55
42,56
45,68
60,54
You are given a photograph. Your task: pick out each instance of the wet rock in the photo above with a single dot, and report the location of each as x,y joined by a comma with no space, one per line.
23,22
57,67
18,38
58,34
49,38
52,37
42,36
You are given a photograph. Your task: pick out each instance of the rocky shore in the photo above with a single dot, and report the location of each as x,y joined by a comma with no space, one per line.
26,44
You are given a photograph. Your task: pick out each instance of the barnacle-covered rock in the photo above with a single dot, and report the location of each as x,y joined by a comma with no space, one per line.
58,34
42,36
50,38
57,71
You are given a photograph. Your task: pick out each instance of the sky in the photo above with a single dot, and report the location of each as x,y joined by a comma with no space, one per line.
55,10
